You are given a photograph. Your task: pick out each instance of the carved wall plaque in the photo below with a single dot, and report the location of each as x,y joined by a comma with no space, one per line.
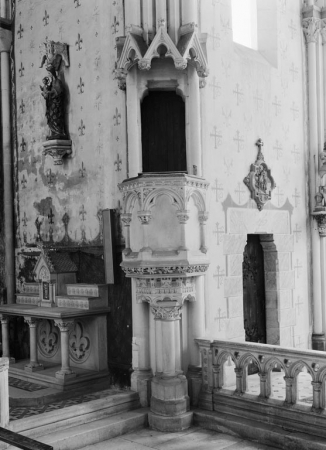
259,180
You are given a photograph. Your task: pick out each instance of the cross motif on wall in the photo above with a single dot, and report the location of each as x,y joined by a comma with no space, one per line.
279,149
23,145
227,114
218,188
81,128
294,72
277,105
215,85
216,136
295,111
297,232
219,318
82,171
20,31
50,216
239,191
215,38
78,43
80,86
298,304
21,70
82,213
258,100
22,106
45,18
24,220
298,267
238,93
292,28
24,182
238,140
115,25
220,276
295,152
50,176
116,117
278,194
118,163
218,232
296,197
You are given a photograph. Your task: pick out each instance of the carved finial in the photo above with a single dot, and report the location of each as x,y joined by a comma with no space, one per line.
260,144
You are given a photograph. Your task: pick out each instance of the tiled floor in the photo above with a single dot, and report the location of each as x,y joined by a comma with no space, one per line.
25,385
192,439
21,412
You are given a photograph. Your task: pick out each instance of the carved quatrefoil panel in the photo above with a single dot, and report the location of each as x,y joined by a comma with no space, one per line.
79,343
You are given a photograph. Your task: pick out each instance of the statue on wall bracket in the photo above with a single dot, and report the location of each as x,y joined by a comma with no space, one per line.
57,142
259,180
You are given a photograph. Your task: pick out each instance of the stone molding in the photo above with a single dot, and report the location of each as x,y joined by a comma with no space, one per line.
154,290
311,27
132,271
31,321
161,313
64,325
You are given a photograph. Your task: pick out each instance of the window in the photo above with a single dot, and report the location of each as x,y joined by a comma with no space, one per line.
244,22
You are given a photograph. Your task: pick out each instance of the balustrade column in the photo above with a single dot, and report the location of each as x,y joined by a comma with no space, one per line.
64,327
289,386
316,393
311,30
239,381
33,365
264,388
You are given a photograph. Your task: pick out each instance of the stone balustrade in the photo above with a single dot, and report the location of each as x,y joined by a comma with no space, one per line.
228,393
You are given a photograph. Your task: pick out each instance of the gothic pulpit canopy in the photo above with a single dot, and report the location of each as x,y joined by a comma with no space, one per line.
259,180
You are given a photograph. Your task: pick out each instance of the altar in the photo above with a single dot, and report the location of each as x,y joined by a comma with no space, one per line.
67,327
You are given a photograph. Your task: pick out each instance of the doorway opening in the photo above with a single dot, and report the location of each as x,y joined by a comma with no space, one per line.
163,128
254,299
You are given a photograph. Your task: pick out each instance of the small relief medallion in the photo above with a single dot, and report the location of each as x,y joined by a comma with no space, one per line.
259,180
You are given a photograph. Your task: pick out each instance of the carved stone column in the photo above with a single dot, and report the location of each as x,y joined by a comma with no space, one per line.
5,337
64,327
311,31
33,365
194,153
183,217
126,219
289,386
203,216
316,401
170,401
145,217
4,392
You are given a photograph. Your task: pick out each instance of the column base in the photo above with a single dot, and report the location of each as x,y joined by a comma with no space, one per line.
194,377
319,342
172,423
33,367
141,383
65,374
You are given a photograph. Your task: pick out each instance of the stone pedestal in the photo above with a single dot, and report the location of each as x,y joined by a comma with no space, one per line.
57,148
141,383
170,404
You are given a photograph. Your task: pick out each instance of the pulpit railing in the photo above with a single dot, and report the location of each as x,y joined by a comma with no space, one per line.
264,382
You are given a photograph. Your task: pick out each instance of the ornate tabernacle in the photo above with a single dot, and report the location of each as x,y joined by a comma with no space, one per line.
57,142
259,180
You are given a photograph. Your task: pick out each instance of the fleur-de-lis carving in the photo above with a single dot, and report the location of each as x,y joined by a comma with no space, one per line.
79,343
48,338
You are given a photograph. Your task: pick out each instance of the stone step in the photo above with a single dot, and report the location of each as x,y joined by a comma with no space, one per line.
253,430
89,433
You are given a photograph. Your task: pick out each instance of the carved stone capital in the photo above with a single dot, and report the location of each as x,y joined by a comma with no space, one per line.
183,216
323,30
156,290
121,75
311,27
321,222
203,217
31,321
58,149
144,217
64,325
160,313
4,319
126,219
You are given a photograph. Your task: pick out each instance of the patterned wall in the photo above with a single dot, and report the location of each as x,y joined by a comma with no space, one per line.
246,98
67,200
